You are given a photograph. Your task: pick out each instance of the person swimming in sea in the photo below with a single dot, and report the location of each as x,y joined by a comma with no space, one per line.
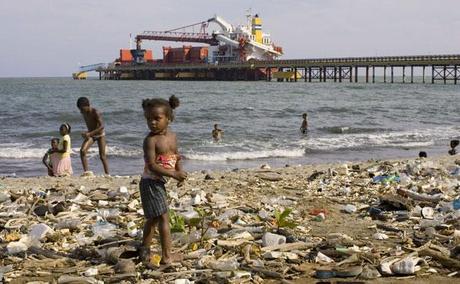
453,145
304,126
217,133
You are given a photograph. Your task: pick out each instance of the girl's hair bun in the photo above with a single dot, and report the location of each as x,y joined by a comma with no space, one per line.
174,102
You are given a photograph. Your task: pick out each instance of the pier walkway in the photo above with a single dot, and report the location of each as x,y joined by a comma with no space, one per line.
443,68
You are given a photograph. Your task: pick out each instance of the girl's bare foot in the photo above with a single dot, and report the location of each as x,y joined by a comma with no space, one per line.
144,254
174,257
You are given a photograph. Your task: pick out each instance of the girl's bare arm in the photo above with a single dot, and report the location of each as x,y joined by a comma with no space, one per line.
45,160
63,150
150,156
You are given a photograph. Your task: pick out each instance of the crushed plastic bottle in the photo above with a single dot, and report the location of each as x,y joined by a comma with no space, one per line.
225,265
132,229
386,179
39,231
4,197
456,171
404,179
16,247
104,229
108,213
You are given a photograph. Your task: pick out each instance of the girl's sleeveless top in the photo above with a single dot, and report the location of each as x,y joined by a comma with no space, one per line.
68,150
167,161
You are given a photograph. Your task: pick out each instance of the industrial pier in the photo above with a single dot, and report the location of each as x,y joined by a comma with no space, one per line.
440,68
244,52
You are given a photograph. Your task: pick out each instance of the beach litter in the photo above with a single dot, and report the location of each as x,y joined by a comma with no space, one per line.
363,221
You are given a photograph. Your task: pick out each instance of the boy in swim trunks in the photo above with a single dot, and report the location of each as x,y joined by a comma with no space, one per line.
95,133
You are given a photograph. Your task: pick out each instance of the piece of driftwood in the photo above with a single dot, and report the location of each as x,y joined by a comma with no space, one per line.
388,228
45,253
114,243
270,176
71,279
265,272
117,278
289,247
420,196
445,260
158,274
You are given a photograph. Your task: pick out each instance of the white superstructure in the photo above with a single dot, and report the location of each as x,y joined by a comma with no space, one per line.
242,43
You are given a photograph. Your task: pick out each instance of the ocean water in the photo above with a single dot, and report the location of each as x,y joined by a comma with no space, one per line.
347,121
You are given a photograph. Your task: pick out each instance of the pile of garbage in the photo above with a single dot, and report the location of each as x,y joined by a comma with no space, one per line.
378,219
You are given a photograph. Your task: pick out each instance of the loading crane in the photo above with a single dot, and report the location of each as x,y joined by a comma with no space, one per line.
229,44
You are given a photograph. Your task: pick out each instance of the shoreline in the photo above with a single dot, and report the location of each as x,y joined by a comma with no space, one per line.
249,198
135,165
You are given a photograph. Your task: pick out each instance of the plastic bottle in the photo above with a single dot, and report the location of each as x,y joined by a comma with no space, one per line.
350,208
225,265
132,229
39,193
456,204
405,179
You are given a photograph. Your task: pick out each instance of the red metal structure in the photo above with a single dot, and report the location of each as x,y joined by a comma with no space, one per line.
175,35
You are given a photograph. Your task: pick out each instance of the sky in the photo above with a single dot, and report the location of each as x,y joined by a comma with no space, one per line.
41,38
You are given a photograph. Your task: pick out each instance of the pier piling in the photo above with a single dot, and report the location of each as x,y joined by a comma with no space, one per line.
412,74
392,81
404,74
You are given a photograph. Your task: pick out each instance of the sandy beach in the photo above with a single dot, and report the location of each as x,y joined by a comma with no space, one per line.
344,215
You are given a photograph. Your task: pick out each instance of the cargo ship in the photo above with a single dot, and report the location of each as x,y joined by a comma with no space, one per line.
225,45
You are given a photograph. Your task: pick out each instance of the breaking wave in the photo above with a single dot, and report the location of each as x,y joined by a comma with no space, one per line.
225,156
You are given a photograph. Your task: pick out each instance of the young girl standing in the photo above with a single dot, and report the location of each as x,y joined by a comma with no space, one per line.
64,166
51,157
161,160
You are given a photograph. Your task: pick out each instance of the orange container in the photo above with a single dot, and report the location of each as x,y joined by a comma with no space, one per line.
125,55
148,55
186,53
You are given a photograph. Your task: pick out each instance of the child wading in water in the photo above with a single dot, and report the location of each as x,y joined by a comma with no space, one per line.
217,133
304,126
64,165
51,158
95,133
161,160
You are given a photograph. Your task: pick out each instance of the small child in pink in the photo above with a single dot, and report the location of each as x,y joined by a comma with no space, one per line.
51,157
